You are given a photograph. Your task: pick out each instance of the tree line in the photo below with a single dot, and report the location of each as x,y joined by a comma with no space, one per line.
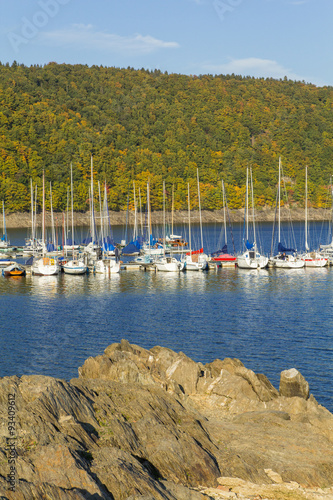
148,126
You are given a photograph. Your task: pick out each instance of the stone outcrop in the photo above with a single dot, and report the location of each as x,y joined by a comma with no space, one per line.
154,424
292,383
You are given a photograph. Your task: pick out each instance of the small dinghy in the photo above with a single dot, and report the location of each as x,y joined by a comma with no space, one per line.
14,270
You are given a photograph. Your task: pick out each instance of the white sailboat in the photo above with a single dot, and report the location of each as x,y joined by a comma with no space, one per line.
92,249
151,247
45,266
107,264
167,263
313,258
33,246
76,266
222,257
194,260
251,258
286,257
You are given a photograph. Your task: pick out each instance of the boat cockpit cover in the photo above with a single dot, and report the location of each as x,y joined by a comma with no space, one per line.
281,248
218,252
132,247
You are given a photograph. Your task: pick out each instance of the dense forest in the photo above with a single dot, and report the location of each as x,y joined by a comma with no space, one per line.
141,126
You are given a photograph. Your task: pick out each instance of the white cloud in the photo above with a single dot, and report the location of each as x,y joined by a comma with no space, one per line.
85,36
254,66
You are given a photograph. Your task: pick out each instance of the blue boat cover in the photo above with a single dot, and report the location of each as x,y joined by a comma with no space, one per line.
248,245
282,249
223,250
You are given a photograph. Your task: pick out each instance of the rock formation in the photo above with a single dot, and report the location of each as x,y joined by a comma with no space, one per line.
153,424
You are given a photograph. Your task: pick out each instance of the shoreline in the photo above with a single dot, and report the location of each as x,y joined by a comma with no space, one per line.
23,220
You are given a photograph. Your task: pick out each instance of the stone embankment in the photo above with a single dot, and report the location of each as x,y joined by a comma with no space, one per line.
23,220
154,424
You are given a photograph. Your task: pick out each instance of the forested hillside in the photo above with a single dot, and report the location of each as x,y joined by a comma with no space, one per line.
142,125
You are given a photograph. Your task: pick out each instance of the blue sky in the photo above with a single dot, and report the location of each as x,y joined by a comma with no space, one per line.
270,38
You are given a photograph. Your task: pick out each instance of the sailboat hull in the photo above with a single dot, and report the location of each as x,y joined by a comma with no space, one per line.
314,260
288,262
197,262
107,266
75,267
246,261
45,267
169,264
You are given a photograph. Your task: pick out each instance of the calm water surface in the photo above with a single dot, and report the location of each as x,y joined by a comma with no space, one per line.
270,320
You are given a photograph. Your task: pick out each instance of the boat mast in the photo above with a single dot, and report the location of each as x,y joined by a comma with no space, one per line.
72,208
141,221
4,221
224,216
35,216
135,214
254,224
164,217
189,216
43,218
199,209
148,208
172,207
92,202
52,219
279,225
306,209
67,215
32,212
247,204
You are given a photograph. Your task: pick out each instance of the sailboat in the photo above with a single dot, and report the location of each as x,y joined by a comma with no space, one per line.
106,264
92,248
194,260
286,257
45,266
151,247
166,262
222,257
75,266
310,259
33,246
251,258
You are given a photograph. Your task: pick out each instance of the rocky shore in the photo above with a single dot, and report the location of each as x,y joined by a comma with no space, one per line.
23,220
154,424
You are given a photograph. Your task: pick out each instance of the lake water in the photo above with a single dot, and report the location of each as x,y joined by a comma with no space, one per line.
271,320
